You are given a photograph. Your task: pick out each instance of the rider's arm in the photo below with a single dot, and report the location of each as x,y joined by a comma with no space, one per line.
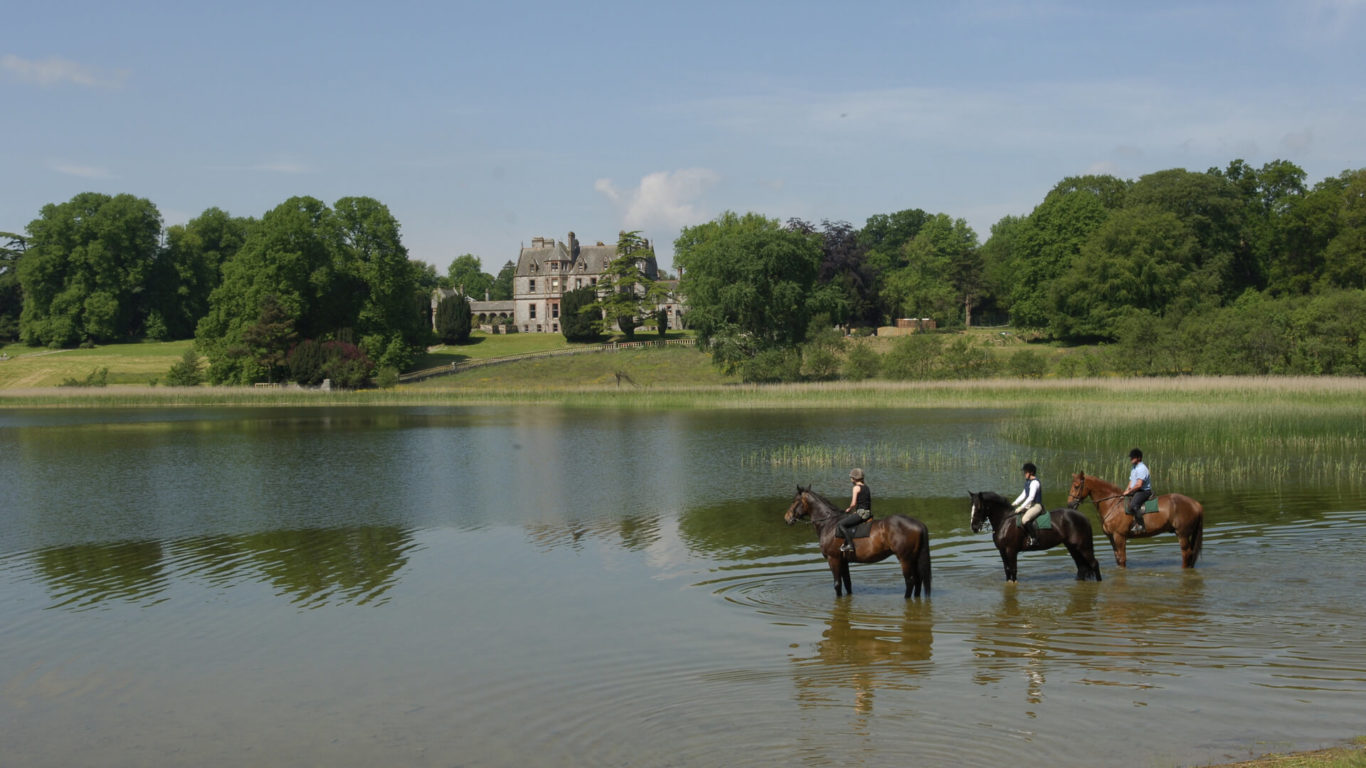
1019,498
853,501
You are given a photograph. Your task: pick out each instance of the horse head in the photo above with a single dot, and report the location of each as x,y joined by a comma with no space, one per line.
978,515
800,508
1079,490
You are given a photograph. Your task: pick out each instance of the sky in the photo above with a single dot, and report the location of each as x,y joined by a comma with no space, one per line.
482,125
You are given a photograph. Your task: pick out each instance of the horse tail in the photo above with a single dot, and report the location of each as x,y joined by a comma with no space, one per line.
1198,536
922,561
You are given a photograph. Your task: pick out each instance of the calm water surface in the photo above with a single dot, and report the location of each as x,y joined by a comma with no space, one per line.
549,587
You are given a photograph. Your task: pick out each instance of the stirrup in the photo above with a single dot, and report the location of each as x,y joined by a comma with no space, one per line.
848,547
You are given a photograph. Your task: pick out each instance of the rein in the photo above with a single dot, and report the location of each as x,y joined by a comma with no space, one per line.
829,513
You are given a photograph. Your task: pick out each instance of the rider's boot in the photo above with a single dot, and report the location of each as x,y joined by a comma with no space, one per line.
848,547
1031,534
1138,526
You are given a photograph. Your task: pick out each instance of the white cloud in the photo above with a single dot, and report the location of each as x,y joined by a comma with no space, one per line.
56,71
664,199
83,171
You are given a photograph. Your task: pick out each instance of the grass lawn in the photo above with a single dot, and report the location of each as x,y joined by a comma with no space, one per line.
670,366
138,363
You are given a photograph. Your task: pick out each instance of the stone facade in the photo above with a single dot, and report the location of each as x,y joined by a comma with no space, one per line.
545,271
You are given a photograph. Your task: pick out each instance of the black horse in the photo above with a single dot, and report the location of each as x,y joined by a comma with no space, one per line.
905,537
1070,528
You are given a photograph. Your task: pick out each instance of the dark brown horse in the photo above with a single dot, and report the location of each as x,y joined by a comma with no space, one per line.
1070,528
1181,514
905,537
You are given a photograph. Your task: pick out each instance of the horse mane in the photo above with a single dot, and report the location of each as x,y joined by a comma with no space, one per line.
822,499
993,497
1104,486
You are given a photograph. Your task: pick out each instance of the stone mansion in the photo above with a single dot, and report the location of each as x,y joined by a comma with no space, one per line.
545,271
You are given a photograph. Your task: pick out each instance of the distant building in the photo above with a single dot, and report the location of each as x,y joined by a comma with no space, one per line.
545,271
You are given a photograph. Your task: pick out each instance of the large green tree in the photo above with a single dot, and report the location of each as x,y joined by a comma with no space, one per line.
187,270
942,274
334,273
86,267
502,284
1141,258
751,284
12,247
627,290
466,275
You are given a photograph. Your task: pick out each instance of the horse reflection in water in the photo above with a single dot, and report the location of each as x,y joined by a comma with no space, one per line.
1020,641
905,537
865,653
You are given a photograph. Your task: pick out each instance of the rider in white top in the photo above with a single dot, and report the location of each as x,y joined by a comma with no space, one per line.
1029,504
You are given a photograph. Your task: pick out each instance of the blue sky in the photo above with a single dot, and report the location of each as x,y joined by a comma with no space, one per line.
482,125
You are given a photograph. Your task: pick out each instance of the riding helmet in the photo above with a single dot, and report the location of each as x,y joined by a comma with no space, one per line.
1136,454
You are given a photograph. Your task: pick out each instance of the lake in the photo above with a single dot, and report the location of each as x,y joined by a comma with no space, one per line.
499,586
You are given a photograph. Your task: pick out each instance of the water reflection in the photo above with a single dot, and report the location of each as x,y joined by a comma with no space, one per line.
861,652
86,575
311,568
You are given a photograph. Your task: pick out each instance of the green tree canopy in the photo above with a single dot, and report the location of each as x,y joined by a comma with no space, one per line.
332,272
85,268
751,285
466,275
627,290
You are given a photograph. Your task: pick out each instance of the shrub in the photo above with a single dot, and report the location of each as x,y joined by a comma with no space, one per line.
914,357
96,378
861,363
576,322
772,366
387,378
965,360
454,320
1027,364
819,363
186,373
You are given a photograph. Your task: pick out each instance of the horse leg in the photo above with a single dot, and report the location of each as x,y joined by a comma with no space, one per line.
1190,542
1118,541
835,562
1008,556
1086,562
844,573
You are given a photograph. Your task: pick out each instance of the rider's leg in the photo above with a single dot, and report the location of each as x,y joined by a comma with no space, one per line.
846,527
1027,520
1136,503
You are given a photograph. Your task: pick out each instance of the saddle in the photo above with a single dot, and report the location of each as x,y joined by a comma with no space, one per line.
861,530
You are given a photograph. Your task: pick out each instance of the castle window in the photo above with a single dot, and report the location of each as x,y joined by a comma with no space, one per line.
532,307
555,311
554,266
531,285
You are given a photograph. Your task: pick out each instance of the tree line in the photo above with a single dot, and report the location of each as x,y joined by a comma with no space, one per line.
1153,266
1230,270
306,291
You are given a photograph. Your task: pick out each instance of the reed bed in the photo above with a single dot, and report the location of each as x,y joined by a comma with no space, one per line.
1090,401
968,454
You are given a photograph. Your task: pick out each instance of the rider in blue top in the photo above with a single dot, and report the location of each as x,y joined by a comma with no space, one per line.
1139,491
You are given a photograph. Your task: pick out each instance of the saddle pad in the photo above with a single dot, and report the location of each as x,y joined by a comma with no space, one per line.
1150,506
861,530
1041,522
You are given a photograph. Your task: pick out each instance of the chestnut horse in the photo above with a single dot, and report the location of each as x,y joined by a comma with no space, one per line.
1181,514
905,537
1070,528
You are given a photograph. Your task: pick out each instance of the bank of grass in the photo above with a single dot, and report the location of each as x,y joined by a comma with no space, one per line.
1353,756
137,363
